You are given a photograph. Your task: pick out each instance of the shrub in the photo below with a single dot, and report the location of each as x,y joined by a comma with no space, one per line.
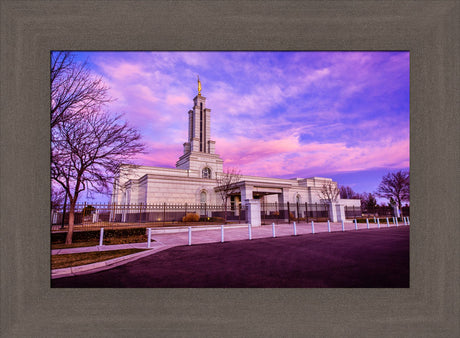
88,210
191,218
93,235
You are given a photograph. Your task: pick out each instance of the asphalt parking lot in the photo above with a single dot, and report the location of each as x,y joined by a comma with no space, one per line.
364,258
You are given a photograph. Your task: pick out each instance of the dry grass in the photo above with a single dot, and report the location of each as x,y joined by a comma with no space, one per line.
107,241
77,259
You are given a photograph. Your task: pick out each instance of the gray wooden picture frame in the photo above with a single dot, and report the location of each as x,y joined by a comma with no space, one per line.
30,29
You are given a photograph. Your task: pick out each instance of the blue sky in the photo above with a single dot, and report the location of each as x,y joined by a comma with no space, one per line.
343,115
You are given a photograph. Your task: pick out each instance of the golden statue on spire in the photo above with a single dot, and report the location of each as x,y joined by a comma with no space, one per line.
199,86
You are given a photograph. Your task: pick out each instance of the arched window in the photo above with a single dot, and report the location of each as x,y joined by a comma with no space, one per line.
203,197
206,173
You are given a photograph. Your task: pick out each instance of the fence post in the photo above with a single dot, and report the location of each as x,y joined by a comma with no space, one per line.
295,229
273,229
298,211
306,212
101,237
388,223
378,222
343,226
367,221
356,224
185,212
249,231
328,226
312,227
239,212
289,213
189,235
222,233
149,237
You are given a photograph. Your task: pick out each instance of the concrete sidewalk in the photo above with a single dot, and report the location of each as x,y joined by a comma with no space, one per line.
200,235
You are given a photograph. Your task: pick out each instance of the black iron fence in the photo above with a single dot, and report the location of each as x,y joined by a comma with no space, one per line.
170,214
377,211
160,213
276,212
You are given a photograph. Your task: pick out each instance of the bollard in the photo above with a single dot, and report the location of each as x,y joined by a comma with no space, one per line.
249,230
378,222
101,237
388,223
375,221
356,224
328,226
312,227
273,229
394,220
408,222
367,221
295,229
397,222
343,226
189,235
149,237
221,233
404,219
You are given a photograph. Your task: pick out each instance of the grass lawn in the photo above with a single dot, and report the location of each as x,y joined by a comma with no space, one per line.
77,259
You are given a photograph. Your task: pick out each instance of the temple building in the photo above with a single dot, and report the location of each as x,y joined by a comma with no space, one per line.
193,180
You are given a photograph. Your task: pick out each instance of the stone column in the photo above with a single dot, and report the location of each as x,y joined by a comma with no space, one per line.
396,211
54,217
96,216
246,193
336,212
332,211
253,212
340,212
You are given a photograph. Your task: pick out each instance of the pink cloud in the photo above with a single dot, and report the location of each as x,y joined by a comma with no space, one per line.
287,156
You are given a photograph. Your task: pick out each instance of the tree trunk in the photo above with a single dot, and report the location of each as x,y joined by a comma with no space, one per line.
68,239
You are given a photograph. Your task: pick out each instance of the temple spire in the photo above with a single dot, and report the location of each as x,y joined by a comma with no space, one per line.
199,86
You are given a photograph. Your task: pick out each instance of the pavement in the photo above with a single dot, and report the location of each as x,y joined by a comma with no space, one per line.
374,258
166,238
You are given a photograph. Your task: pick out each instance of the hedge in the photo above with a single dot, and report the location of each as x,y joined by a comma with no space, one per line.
93,235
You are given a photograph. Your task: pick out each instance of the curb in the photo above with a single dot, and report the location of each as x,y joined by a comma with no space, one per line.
104,265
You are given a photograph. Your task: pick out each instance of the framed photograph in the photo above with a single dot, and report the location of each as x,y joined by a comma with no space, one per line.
31,30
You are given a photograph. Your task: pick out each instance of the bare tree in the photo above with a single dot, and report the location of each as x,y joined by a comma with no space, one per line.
88,153
329,192
346,192
226,186
88,145
74,90
395,186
